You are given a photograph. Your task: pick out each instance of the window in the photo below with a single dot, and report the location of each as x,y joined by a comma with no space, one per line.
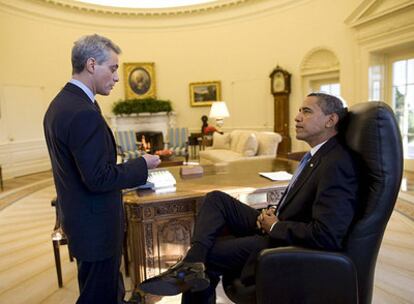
375,76
403,101
320,72
329,86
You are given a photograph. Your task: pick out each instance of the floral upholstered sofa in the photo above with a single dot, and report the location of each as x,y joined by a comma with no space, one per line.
241,145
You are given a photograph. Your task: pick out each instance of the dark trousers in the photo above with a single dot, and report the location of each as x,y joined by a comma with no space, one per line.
234,254
100,282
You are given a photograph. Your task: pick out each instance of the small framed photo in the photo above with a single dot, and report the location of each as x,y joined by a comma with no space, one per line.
139,80
204,93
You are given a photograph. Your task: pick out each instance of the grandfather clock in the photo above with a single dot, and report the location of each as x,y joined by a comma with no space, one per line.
280,88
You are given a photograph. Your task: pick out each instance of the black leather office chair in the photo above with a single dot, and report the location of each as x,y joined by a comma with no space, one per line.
297,275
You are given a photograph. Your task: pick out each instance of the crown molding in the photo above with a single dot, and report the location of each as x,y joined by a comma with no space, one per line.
374,10
155,12
80,15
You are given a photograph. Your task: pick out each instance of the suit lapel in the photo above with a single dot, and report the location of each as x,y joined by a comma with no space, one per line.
310,167
301,179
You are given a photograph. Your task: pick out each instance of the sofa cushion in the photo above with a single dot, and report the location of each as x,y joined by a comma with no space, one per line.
247,145
244,142
221,141
235,137
268,142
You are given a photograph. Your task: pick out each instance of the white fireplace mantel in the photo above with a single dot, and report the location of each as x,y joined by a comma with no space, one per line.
143,122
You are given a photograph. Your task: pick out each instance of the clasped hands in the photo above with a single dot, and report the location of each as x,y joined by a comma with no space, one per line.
266,219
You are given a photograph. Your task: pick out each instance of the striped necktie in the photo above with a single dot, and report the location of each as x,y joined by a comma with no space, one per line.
305,159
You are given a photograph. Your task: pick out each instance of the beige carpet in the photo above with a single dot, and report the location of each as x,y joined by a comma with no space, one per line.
28,274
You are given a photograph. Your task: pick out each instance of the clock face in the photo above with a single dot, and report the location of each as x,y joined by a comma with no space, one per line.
279,82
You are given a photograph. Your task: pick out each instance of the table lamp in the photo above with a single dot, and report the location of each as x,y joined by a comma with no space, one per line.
219,111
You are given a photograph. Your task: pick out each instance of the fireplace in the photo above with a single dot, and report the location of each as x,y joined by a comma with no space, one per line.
150,122
150,141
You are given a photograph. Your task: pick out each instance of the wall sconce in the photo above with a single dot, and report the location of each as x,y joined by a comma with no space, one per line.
219,111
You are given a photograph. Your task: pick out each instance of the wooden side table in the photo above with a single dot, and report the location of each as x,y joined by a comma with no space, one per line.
193,142
206,141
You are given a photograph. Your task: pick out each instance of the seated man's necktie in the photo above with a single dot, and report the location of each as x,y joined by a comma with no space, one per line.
298,171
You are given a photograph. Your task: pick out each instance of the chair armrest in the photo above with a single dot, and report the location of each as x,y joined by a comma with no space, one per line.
298,275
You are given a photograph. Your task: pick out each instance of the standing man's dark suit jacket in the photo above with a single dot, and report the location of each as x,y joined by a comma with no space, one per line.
88,181
321,205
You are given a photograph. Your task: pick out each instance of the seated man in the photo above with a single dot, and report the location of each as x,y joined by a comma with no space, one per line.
315,211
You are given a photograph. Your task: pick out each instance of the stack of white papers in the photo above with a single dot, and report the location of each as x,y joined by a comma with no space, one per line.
277,176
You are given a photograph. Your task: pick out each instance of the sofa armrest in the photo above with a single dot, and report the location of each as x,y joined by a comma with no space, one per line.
297,275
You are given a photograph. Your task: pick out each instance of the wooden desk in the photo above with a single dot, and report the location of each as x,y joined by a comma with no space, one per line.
160,225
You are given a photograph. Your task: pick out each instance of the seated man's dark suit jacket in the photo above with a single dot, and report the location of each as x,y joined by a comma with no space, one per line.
320,206
87,179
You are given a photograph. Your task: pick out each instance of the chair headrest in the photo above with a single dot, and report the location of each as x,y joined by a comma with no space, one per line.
371,131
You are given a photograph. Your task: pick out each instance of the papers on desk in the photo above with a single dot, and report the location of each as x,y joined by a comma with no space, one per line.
277,176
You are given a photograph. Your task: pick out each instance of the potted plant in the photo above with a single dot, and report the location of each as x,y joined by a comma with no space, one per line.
137,106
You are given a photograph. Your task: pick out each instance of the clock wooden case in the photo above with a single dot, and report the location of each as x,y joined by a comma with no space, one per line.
280,89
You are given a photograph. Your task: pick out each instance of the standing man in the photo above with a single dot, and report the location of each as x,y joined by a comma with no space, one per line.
315,211
87,179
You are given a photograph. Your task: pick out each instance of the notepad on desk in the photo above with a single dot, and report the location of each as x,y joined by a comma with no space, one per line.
191,170
277,175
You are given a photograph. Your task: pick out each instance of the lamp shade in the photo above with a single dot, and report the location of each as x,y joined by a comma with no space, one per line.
219,110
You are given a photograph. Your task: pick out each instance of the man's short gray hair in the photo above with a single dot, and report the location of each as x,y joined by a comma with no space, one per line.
92,46
330,104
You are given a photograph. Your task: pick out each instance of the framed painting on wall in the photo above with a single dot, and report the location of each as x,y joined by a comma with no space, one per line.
139,80
204,93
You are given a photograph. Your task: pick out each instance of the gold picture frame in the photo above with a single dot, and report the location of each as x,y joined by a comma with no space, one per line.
204,93
139,80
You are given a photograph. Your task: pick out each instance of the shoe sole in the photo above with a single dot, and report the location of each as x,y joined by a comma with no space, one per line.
172,287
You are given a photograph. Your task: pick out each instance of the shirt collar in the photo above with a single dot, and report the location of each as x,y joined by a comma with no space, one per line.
316,148
84,88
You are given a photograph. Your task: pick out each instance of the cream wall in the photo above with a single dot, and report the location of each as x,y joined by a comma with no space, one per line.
239,46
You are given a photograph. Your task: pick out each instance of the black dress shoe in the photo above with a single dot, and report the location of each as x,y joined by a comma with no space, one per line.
179,278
